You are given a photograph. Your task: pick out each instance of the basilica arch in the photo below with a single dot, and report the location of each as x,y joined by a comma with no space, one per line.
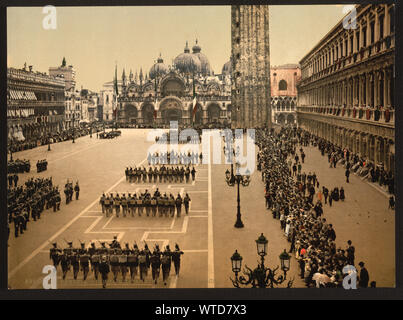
131,113
213,112
171,109
172,86
147,112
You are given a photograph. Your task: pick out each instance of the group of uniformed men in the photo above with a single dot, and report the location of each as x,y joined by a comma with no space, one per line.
124,260
18,166
69,191
41,165
170,174
30,201
174,158
134,203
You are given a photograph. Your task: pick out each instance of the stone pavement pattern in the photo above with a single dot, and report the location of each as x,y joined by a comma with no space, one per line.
206,235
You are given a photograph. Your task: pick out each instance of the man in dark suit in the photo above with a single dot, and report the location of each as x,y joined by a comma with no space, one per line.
364,276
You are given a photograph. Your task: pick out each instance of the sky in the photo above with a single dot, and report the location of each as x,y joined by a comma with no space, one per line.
94,39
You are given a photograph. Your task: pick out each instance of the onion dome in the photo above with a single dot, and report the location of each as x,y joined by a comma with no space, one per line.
227,69
158,69
187,62
205,64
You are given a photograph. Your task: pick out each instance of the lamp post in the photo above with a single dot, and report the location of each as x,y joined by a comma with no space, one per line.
237,179
74,127
260,277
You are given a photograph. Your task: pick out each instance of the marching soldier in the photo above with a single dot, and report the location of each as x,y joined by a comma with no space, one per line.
176,258
178,203
187,174
114,262
172,205
84,259
166,264
186,201
133,262
155,261
154,205
104,270
147,205
132,204
193,172
115,243
55,253
108,206
123,262
65,263
116,203
124,205
74,261
139,203
143,265
95,259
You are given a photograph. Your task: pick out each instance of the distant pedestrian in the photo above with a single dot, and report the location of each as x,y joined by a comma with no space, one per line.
364,276
77,190
392,203
347,175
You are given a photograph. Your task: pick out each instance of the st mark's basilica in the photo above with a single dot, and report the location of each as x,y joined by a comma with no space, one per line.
187,91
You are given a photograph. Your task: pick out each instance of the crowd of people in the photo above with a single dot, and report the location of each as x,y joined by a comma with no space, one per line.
18,166
133,204
44,139
29,201
311,237
41,165
164,174
126,260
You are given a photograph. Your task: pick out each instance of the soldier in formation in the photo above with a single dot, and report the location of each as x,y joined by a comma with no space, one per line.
114,259
138,203
18,166
162,174
41,165
29,201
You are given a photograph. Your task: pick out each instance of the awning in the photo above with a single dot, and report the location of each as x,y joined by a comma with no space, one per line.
22,95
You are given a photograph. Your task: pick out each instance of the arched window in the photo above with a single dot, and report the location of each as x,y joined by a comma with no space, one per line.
282,85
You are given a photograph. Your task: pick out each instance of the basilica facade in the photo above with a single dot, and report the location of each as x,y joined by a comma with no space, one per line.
187,91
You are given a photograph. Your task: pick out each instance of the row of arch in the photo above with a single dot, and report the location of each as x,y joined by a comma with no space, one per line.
174,110
377,149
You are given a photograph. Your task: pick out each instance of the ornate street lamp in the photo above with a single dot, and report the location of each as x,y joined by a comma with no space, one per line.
260,277
285,260
237,179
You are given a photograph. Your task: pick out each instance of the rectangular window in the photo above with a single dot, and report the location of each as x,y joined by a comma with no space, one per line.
364,37
357,36
351,44
372,32
381,19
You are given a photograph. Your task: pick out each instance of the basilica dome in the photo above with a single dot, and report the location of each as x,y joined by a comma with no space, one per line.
187,62
204,63
158,69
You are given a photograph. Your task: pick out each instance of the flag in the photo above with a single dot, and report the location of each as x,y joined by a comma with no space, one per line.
194,100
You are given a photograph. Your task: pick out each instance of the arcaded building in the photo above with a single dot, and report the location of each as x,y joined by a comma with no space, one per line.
346,93
283,86
250,66
167,93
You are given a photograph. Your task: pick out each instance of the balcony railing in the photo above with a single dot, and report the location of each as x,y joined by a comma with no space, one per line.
361,55
384,116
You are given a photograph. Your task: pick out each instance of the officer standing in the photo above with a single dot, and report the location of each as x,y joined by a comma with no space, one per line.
186,202
176,258
102,202
77,190
178,203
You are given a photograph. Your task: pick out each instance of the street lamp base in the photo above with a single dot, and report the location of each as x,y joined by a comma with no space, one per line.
239,223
